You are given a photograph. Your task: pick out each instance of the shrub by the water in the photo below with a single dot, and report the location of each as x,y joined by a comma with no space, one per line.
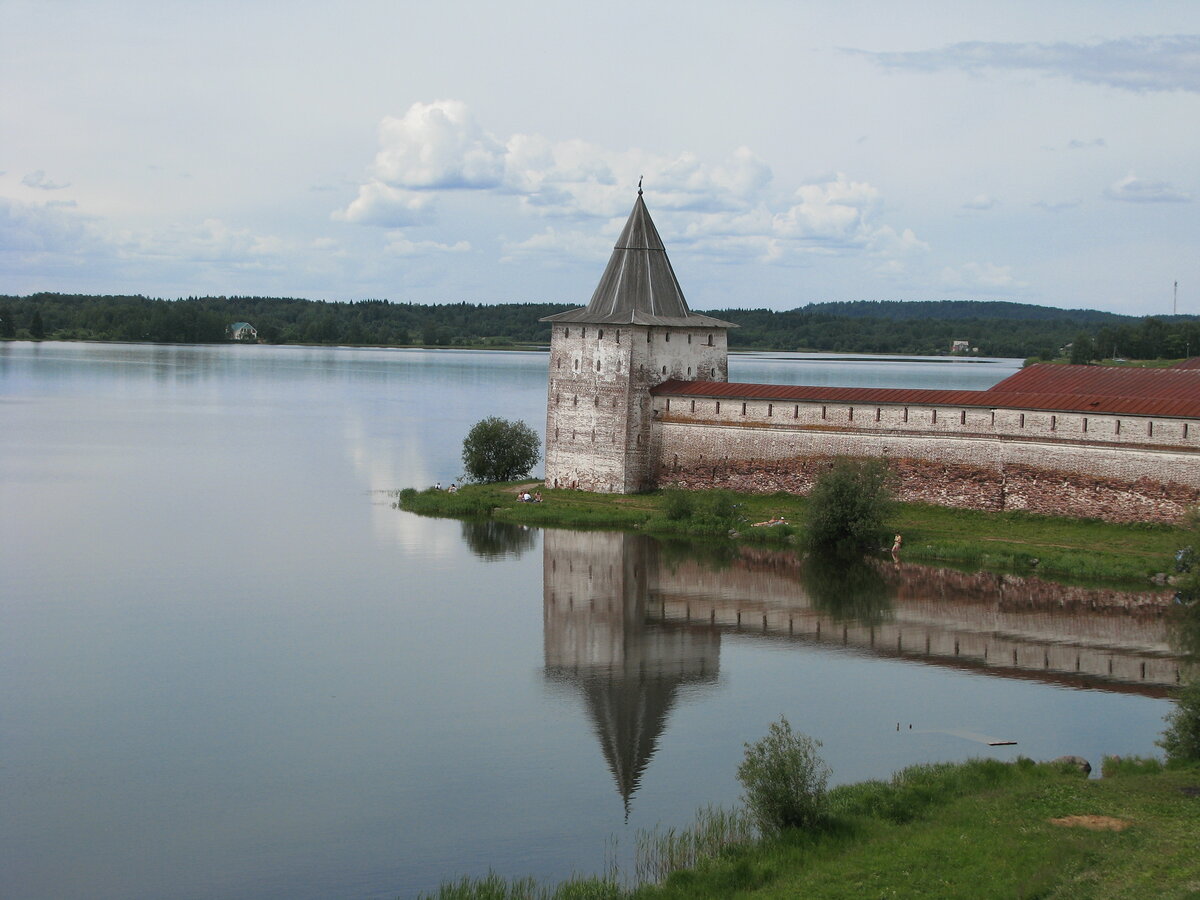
1181,740
496,449
784,779
848,505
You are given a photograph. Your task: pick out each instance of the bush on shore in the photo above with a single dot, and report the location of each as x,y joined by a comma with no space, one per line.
784,779
848,506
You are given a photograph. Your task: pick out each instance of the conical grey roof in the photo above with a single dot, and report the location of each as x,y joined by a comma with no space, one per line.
639,286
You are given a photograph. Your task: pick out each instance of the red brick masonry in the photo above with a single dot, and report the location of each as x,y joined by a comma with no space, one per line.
1013,487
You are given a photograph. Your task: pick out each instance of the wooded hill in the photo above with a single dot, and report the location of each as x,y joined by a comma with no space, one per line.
910,327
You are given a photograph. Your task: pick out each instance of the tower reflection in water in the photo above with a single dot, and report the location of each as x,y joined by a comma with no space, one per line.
632,624
599,639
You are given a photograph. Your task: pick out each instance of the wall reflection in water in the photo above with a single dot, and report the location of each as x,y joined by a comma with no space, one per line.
629,622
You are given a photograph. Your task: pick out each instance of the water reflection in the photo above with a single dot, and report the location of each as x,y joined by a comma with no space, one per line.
601,641
847,589
491,540
629,621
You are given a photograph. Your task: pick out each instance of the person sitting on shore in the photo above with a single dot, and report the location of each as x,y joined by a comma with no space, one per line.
770,523
537,497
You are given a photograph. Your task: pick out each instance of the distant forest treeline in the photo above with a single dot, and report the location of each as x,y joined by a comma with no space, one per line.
917,327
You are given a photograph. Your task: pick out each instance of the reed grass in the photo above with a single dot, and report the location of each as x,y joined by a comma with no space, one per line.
1118,766
661,852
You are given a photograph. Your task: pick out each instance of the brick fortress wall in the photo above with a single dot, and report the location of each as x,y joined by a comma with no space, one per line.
1125,468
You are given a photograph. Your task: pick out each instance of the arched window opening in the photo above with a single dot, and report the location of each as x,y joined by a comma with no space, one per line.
667,337
664,371
600,336
710,343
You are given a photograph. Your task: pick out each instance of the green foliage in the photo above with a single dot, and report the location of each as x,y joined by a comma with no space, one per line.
784,780
496,449
997,328
660,853
848,506
912,792
1119,766
1181,740
8,325
1083,349
677,504
495,887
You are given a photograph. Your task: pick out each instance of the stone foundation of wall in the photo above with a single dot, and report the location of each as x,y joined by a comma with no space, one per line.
1013,486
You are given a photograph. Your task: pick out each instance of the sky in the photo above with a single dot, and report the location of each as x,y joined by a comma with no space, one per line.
791,152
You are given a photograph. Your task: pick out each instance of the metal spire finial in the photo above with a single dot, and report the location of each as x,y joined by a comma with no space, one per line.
640,177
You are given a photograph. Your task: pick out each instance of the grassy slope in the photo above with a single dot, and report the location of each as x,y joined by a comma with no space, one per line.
995,841
1063,548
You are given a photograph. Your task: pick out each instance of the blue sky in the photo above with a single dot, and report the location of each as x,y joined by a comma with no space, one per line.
793,152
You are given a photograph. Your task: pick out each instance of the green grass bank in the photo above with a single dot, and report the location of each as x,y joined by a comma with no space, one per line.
1057,548
980,829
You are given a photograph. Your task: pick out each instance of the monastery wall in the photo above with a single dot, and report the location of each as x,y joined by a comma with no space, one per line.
1060,463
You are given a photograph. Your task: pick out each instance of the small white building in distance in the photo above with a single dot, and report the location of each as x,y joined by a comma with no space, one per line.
242,331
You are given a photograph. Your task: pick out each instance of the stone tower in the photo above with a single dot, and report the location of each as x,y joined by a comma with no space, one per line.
636,332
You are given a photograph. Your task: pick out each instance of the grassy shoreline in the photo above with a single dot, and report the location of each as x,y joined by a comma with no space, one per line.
1062,549
981,829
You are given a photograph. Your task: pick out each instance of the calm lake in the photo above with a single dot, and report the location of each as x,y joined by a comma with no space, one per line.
231,669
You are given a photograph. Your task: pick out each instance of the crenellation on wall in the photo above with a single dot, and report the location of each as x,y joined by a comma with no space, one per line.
1139,431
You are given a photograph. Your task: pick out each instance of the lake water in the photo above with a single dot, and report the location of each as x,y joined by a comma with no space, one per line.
230,668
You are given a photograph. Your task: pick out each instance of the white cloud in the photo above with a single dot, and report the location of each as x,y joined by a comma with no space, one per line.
726,210
37,228
1057,206
1140,64
987,276
398,245
1136,190
42,182
553,244
440,146
980,201
388,207
1086,145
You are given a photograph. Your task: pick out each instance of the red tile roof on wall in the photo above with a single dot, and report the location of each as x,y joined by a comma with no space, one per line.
1061,401
1089,382
1193,363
